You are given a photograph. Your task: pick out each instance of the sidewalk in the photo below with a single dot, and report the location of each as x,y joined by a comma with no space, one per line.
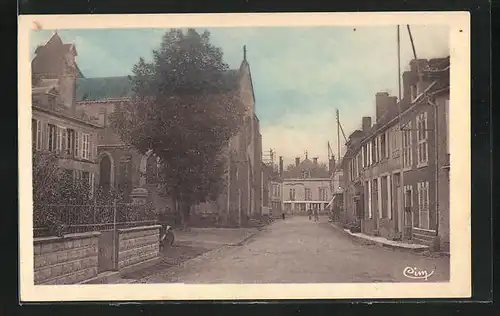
381,241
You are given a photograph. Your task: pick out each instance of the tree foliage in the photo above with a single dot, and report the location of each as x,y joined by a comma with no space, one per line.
58,197
185,109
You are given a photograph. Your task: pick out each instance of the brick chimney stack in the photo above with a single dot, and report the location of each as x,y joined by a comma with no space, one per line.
381,104
315,160
366,123
297,161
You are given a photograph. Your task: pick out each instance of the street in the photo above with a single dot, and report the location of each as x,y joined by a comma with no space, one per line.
298,250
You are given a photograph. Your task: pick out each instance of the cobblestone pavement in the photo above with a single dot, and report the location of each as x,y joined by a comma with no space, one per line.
301,251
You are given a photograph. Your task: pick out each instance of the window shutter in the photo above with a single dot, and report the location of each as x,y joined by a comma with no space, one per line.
91,148
389,197
369,153
77,144
46,136
387,144
63,140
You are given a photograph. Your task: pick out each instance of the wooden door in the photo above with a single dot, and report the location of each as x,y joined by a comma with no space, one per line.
107,258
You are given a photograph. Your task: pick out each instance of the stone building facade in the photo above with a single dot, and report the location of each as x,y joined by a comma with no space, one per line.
387,204
57,126
306,185
242,199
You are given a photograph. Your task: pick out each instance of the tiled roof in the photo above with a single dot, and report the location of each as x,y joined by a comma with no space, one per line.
93,89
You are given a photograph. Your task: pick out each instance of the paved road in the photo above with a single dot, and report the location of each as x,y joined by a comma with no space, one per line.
300,251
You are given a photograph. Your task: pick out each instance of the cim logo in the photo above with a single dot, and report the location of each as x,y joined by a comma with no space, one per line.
415,273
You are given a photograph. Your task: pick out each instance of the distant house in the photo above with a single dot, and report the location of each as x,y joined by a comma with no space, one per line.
57,126
306,185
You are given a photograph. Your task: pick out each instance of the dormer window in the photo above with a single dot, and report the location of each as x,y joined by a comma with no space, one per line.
52,101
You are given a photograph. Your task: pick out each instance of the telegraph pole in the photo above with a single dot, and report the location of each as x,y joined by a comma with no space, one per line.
401,133
338,135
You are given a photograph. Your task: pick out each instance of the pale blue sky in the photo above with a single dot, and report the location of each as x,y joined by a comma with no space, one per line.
300,74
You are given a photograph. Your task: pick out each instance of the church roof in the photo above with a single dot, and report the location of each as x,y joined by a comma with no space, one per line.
93,89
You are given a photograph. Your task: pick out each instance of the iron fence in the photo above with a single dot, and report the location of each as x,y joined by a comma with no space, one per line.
85,218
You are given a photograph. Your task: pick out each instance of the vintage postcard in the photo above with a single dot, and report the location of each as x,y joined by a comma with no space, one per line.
244,156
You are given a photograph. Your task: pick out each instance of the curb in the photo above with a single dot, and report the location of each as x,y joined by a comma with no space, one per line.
240,243
421,251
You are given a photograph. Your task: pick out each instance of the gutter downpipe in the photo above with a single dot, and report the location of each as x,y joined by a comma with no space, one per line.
402,218
436,148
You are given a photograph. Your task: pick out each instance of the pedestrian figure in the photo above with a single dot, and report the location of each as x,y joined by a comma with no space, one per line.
283,215
316,215
309,212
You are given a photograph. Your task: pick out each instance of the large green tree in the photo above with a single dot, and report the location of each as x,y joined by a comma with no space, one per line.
185,108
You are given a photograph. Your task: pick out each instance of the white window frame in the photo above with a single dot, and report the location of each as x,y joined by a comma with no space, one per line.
78,149
379,148
86,146
307,194
387,144
370,214
379,197
363,164
423,204
422,140
369,153
38,135
389,197
407,203
395,141
407,148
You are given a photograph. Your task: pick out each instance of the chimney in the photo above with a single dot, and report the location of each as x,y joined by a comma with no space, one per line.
281,166
315,160
381,104
366,123
418,64
297,161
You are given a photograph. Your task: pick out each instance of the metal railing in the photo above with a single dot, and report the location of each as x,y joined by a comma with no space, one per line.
94,217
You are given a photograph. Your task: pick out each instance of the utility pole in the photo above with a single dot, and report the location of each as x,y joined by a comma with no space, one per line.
338,135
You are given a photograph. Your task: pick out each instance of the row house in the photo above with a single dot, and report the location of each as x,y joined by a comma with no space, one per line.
397,166
57,126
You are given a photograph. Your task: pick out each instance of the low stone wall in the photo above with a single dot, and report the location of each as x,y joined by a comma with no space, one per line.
65,260
139,247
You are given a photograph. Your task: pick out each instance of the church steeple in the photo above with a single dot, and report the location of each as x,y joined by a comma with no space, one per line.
244,53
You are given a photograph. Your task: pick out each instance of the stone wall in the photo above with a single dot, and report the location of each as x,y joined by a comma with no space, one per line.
65,260
138,246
